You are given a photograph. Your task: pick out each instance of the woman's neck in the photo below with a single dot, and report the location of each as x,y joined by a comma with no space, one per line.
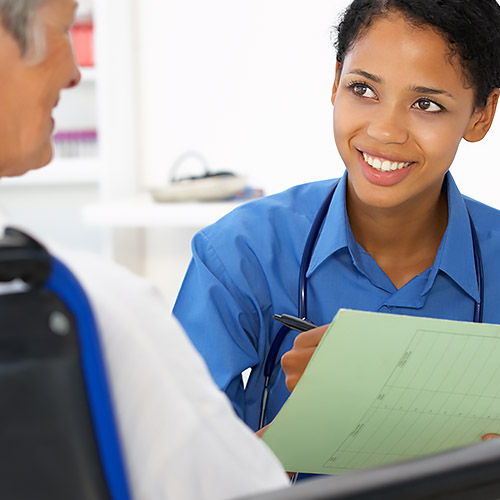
403,241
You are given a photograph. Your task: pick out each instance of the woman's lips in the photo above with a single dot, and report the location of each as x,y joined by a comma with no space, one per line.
384,171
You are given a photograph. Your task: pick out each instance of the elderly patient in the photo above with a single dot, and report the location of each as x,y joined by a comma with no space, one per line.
180,436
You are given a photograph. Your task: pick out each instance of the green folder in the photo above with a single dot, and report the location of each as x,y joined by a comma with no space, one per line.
382,388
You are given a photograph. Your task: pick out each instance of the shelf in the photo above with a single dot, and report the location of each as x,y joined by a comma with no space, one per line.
81,171
89,74
143,212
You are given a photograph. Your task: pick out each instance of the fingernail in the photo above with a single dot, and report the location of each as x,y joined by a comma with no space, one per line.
491,435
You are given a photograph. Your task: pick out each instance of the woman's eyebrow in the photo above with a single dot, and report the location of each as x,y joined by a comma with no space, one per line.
430,90
366,75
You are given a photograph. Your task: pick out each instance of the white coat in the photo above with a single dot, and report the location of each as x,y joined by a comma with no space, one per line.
180,435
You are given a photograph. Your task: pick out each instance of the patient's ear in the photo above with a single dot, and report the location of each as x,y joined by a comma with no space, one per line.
482,119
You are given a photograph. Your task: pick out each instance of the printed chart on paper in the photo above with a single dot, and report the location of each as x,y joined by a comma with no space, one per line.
443,388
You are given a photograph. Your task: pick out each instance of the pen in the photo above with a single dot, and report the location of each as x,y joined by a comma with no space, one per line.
300,325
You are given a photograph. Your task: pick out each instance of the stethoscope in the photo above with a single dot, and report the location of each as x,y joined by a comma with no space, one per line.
304,265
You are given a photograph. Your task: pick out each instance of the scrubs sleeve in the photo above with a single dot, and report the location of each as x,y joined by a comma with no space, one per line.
221,318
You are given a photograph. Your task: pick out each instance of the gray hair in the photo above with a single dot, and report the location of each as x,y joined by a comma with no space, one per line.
19,17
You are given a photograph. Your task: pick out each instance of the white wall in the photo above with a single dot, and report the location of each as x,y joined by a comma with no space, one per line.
248,84
477,167
54,213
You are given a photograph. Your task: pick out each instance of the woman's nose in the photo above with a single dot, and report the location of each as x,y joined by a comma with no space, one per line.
388,125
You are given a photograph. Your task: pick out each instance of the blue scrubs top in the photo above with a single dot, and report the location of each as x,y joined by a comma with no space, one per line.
245,268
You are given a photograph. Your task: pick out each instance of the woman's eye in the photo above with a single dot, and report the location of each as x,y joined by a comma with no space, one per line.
428,105
362,90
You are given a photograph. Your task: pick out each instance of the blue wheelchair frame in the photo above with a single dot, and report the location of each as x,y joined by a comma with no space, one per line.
23,258
64,284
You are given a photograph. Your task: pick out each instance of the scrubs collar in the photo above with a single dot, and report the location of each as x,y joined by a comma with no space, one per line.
455,256
333,233
456,252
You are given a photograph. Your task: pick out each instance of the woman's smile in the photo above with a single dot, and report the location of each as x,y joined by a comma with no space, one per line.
382,171
384,164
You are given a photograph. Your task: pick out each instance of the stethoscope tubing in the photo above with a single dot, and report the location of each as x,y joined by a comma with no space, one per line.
478,262
302,299
312,237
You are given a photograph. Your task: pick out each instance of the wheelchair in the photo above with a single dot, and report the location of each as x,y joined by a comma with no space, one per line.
58,438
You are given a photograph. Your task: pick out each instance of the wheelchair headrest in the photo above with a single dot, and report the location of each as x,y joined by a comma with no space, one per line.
22,257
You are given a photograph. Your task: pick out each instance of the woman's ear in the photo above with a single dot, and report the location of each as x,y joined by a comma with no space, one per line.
482,119
335,88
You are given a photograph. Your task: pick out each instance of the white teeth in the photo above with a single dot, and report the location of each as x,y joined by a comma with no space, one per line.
384,165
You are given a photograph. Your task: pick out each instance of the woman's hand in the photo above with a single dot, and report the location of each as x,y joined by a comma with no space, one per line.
294,362
261,431
491,435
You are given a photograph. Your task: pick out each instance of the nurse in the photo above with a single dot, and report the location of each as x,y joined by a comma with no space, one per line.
413,78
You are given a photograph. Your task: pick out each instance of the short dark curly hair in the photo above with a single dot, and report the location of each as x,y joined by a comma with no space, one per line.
471,28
